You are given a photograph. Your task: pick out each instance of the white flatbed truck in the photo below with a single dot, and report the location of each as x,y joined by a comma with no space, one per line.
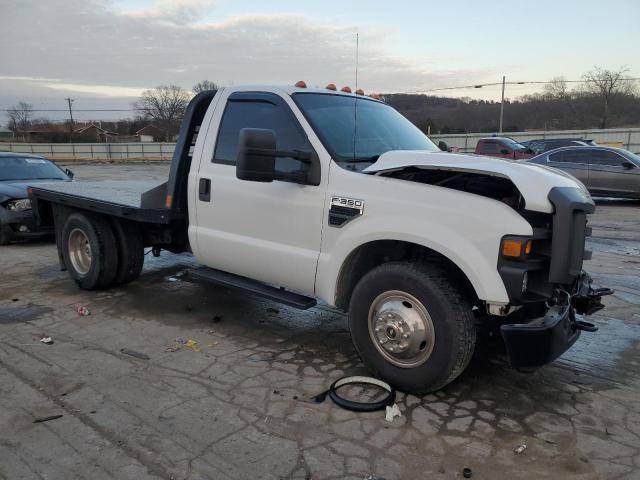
300,194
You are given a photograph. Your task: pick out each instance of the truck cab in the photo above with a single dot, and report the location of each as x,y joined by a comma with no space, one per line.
300,194
503,147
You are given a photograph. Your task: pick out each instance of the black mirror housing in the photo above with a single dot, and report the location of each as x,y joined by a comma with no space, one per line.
442,145
627,165
256,155
69,173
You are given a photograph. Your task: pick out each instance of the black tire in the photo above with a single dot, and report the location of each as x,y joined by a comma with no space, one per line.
451,316
103,264
130,251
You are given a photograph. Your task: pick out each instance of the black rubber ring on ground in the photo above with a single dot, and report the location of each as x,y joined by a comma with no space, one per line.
362,406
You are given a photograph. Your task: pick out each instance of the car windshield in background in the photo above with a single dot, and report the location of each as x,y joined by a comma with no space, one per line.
514,145
360,130
26,168
630,156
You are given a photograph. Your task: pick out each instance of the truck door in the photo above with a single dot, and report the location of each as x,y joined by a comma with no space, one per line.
266,231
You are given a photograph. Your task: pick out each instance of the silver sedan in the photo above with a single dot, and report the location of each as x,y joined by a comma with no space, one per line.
605,171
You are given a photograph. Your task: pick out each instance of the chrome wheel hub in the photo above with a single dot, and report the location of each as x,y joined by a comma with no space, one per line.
401,329
79,251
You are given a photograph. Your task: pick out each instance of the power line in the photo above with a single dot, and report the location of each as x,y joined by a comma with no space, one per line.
530,82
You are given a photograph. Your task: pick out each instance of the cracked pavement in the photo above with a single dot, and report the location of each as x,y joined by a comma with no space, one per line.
234,404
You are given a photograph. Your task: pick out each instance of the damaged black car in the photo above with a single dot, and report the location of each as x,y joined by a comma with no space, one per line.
17,172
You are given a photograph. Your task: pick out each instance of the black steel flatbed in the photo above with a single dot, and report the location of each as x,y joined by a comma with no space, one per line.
118,198
163,204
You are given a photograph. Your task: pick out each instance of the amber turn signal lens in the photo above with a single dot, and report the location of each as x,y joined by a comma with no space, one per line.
301,84
515,247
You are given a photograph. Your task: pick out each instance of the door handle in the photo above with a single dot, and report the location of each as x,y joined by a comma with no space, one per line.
204,190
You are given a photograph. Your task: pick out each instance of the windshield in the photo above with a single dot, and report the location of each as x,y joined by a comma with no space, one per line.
29,168
359,130
513,144
635,158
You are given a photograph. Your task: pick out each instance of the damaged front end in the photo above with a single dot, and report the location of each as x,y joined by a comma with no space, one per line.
548,291
540,341
557,271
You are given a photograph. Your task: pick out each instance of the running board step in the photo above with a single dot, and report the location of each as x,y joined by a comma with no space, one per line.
252,286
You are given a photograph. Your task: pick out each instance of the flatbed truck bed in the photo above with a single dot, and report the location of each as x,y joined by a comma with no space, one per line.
124,199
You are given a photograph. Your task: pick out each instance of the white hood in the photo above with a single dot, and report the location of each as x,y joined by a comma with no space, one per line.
533,181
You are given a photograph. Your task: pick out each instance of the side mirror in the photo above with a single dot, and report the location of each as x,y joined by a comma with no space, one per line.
256,155
504,151
442,145
69,173
628,165
257,159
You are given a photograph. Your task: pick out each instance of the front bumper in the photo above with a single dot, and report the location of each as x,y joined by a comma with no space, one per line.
21,225
542,340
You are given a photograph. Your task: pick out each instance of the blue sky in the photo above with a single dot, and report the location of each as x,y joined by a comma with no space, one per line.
107,52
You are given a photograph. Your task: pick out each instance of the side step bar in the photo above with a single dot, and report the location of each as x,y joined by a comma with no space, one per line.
252,286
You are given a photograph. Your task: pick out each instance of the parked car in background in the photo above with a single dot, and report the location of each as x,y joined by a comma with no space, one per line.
605,171
17,172
502,147
544,145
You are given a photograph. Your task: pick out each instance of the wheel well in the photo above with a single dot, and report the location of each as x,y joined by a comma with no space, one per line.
372,254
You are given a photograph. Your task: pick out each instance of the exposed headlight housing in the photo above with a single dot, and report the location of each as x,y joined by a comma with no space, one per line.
19,205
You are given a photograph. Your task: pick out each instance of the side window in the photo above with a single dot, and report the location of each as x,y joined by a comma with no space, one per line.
489,147
241,114
570,156
606,158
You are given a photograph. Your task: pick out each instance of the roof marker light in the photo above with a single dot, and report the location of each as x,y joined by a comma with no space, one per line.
301,84
346,89
359,92
331,86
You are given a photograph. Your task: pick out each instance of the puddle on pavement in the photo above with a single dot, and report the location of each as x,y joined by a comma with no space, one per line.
603,353
22,313
618,246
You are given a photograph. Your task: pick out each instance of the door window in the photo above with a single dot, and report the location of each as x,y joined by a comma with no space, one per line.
241,114
570,156
606,158
490,147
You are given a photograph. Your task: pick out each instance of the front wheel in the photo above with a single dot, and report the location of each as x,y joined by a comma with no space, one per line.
412,326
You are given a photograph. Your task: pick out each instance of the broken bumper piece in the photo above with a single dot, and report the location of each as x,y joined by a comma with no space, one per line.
536,343
531,345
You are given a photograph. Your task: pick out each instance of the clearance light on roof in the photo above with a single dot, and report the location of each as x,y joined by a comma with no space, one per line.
301,84
346,89
331,86
359,92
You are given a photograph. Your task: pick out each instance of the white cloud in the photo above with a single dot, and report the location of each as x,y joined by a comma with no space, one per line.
98,90
88,47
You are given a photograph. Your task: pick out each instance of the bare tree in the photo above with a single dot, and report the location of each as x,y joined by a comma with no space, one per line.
205,85
19,117
605,85
165,105
557,89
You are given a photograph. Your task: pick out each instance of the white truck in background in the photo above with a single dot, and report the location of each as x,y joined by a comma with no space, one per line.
300,194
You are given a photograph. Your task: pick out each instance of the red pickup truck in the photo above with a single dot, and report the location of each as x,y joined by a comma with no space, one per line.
503,147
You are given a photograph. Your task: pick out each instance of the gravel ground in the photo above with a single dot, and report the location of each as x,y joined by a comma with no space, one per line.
233,406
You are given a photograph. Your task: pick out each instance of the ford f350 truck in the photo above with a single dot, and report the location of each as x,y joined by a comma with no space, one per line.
300,194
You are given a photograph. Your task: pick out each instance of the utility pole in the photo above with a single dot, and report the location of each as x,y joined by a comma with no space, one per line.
502,104
70,101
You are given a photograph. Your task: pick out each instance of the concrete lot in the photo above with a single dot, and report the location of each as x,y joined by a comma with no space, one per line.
233,406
